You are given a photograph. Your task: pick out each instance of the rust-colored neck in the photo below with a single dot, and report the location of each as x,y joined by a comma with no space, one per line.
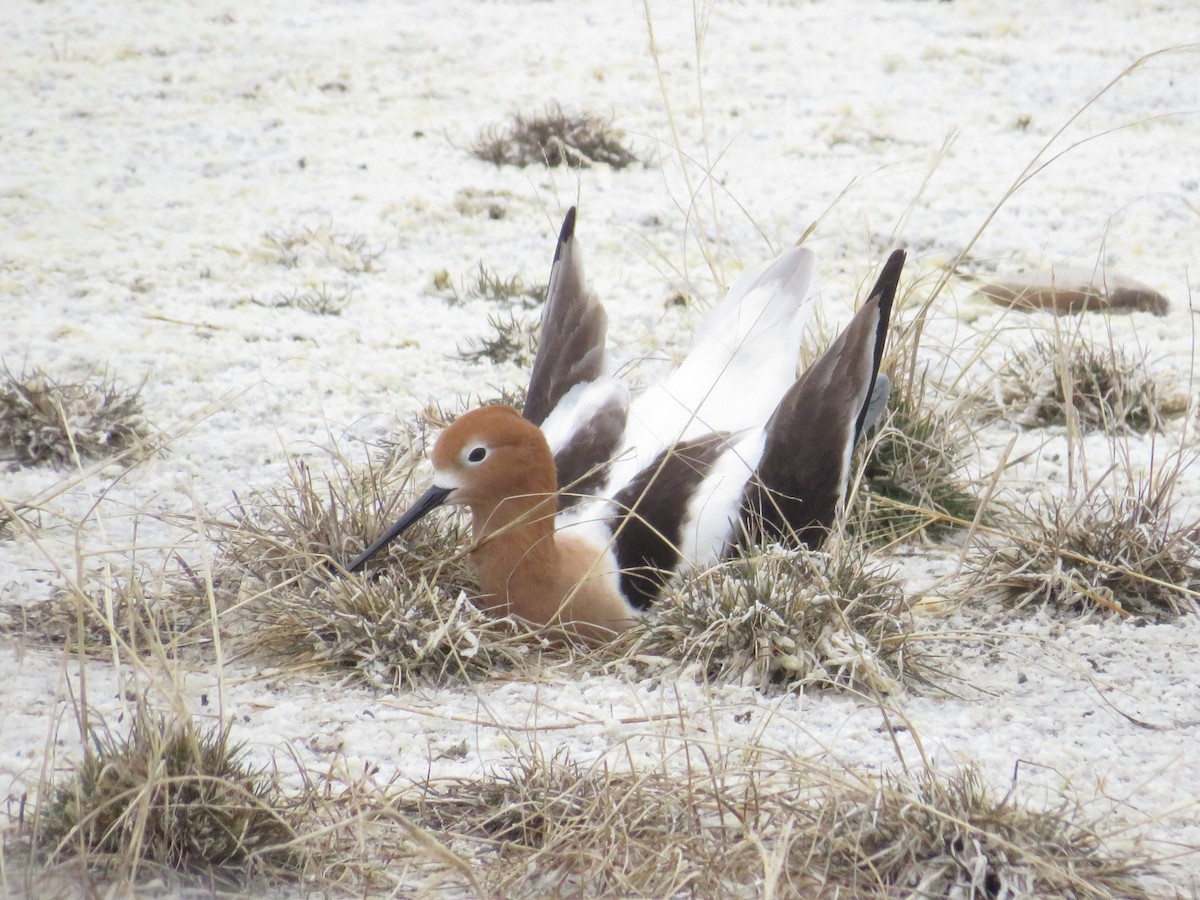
526,519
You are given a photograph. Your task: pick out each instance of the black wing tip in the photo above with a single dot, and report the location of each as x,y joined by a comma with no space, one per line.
566,233
889,278
884,293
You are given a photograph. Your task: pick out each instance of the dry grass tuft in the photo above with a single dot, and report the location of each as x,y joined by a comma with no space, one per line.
119,613
948,836
728,821
320,300
170,796
439,415
514,338
322,246
783,619
395,630
733,826
515,334
62,423
551,827
912,484
494,288
290,537
1103,389
8,523
555,138
1117,548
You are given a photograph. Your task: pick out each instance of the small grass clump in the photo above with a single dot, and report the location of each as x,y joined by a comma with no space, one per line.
172,796
930,835
514,334
1115,548
60,423
912,484
492,287
551,827
8,522
119,612
555,138
291,537
1103,389
393,630
783,619
319,300
514,339
322,246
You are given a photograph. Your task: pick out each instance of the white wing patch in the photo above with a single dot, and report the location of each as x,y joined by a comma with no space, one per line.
578,406
742,363
713,511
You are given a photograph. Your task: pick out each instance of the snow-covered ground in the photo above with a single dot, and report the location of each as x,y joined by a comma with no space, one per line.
154,158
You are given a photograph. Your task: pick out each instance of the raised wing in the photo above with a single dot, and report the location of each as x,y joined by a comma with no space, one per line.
574,327
802,474
581,411
742,362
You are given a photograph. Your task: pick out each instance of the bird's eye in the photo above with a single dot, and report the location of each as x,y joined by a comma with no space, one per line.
477,454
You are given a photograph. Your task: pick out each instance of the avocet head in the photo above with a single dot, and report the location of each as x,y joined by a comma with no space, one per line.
486,456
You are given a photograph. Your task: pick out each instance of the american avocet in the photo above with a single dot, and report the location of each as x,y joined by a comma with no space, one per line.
584,506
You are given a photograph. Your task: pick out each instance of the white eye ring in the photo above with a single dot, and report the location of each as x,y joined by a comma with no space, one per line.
477,455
